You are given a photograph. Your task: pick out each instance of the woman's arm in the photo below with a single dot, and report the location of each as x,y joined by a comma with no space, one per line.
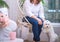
41,13
39,21
27,9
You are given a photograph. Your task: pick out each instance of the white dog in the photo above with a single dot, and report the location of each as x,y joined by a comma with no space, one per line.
48,29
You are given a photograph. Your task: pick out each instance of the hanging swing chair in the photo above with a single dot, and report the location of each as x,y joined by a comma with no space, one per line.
21,19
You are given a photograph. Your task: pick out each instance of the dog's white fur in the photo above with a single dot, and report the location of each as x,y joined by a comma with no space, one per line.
48,29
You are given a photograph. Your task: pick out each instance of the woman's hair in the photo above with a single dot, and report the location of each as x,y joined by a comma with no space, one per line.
38,1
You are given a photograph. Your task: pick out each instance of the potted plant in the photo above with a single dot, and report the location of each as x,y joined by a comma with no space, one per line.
4,7
3,4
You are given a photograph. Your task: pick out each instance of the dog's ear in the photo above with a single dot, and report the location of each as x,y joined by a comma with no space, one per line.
48,21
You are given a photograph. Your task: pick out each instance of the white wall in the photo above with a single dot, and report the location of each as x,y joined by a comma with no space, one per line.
13,11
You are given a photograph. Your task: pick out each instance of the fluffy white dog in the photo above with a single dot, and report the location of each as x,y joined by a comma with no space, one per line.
48,29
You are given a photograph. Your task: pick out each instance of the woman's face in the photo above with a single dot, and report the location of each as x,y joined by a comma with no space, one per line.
35,1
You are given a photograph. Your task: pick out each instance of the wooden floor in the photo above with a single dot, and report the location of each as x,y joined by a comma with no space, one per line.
31,41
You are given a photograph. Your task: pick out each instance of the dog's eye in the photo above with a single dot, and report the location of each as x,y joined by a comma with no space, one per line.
48,24
45,24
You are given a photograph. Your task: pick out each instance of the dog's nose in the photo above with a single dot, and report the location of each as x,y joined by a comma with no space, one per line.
47,26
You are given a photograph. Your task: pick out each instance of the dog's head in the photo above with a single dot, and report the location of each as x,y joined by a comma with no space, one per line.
47,24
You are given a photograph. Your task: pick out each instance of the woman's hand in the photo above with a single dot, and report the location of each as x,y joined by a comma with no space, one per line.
39,22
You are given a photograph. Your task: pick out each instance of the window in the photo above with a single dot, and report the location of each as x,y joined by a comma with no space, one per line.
53,13
52,4
59,4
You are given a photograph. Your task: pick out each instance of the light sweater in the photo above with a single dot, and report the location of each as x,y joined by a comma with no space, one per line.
31,9
4,32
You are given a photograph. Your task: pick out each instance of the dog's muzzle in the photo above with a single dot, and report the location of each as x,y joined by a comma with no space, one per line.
47,26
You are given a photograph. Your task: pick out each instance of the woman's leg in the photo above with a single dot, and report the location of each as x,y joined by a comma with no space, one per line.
40,27
35,28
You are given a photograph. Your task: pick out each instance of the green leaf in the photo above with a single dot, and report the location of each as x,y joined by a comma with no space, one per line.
3,4
43,1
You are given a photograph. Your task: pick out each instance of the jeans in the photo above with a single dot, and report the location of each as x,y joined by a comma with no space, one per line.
36,28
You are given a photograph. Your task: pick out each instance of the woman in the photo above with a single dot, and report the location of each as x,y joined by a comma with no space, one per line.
35,14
